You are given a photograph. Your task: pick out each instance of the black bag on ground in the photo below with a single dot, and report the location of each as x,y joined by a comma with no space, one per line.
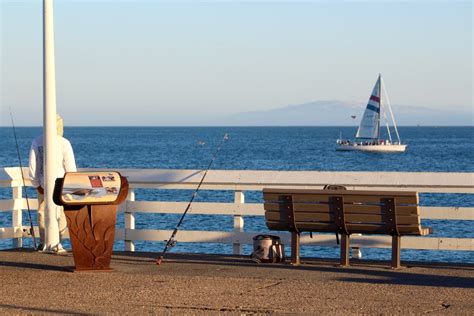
267,249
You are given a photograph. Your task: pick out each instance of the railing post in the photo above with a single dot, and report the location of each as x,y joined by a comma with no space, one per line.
17,217
129,221
239,198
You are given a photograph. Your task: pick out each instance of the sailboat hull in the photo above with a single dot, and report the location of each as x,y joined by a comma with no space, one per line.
372,148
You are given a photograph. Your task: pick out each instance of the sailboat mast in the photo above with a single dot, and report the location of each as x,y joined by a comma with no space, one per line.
386,125
385,112
380,106
393,117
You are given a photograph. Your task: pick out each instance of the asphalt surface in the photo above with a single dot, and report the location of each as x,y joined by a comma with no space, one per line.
37,283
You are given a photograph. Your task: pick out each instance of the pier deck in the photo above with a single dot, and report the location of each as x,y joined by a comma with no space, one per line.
38,283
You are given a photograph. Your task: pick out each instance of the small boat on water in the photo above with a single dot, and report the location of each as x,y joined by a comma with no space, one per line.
368,136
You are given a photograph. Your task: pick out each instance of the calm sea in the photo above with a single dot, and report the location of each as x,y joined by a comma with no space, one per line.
434,149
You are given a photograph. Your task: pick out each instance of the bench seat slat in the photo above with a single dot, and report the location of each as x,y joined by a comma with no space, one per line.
373,229
361,228
348,208
408,220
298,198
303,226
343,192
375,209
354,228
300,217
361,199
378,218
299,207
399,200
350,218
381,228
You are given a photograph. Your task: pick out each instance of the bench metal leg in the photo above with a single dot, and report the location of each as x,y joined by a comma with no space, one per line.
295,248
396,245
344,250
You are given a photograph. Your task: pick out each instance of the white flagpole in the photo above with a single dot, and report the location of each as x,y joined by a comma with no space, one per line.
49,127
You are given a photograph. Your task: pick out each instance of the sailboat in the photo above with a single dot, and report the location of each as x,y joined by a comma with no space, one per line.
368,137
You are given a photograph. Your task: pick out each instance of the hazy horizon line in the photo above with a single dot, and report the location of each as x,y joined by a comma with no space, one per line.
220,126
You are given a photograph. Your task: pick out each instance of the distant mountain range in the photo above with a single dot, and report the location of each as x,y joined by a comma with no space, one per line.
341,113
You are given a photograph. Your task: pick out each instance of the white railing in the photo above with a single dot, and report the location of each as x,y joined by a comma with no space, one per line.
240,181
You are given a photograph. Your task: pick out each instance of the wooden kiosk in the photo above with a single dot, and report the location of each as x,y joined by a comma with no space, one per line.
90,201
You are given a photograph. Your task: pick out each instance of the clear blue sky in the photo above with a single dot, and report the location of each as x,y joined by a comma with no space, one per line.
176,63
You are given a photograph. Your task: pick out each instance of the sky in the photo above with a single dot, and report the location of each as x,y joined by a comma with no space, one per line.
158,63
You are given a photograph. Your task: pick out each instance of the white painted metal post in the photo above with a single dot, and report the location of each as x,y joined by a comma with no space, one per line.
49,127
239,198
356,251
129,221
17,220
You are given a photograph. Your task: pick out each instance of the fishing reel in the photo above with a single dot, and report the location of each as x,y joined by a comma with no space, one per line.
171,243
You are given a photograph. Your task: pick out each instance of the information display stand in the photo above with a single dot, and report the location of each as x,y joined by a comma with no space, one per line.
90,201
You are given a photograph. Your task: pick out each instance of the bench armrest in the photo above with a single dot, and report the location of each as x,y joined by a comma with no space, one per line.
426,231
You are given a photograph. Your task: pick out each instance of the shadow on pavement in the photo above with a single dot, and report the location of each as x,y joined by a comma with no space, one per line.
361,271
40,310
37,266
377,272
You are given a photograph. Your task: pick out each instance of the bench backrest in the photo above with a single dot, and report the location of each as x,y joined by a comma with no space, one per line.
343,211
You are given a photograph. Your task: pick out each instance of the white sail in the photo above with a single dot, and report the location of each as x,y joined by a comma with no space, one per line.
369,125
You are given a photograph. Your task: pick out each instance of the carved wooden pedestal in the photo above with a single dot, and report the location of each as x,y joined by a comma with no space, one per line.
92,231
90,201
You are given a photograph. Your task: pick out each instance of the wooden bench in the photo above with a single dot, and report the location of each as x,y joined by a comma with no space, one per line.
344,212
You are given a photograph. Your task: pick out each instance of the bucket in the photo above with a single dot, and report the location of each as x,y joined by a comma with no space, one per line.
267,249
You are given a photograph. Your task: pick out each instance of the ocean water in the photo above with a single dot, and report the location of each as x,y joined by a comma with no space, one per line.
434,149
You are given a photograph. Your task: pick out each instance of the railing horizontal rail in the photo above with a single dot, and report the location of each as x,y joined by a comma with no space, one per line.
453,213
244,180
323,240
244,209
23,232
196,208
8,205
430,243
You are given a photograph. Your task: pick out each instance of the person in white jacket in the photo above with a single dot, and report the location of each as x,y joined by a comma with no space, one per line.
66,163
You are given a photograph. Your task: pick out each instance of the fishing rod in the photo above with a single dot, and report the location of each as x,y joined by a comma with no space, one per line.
172,241
32,230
